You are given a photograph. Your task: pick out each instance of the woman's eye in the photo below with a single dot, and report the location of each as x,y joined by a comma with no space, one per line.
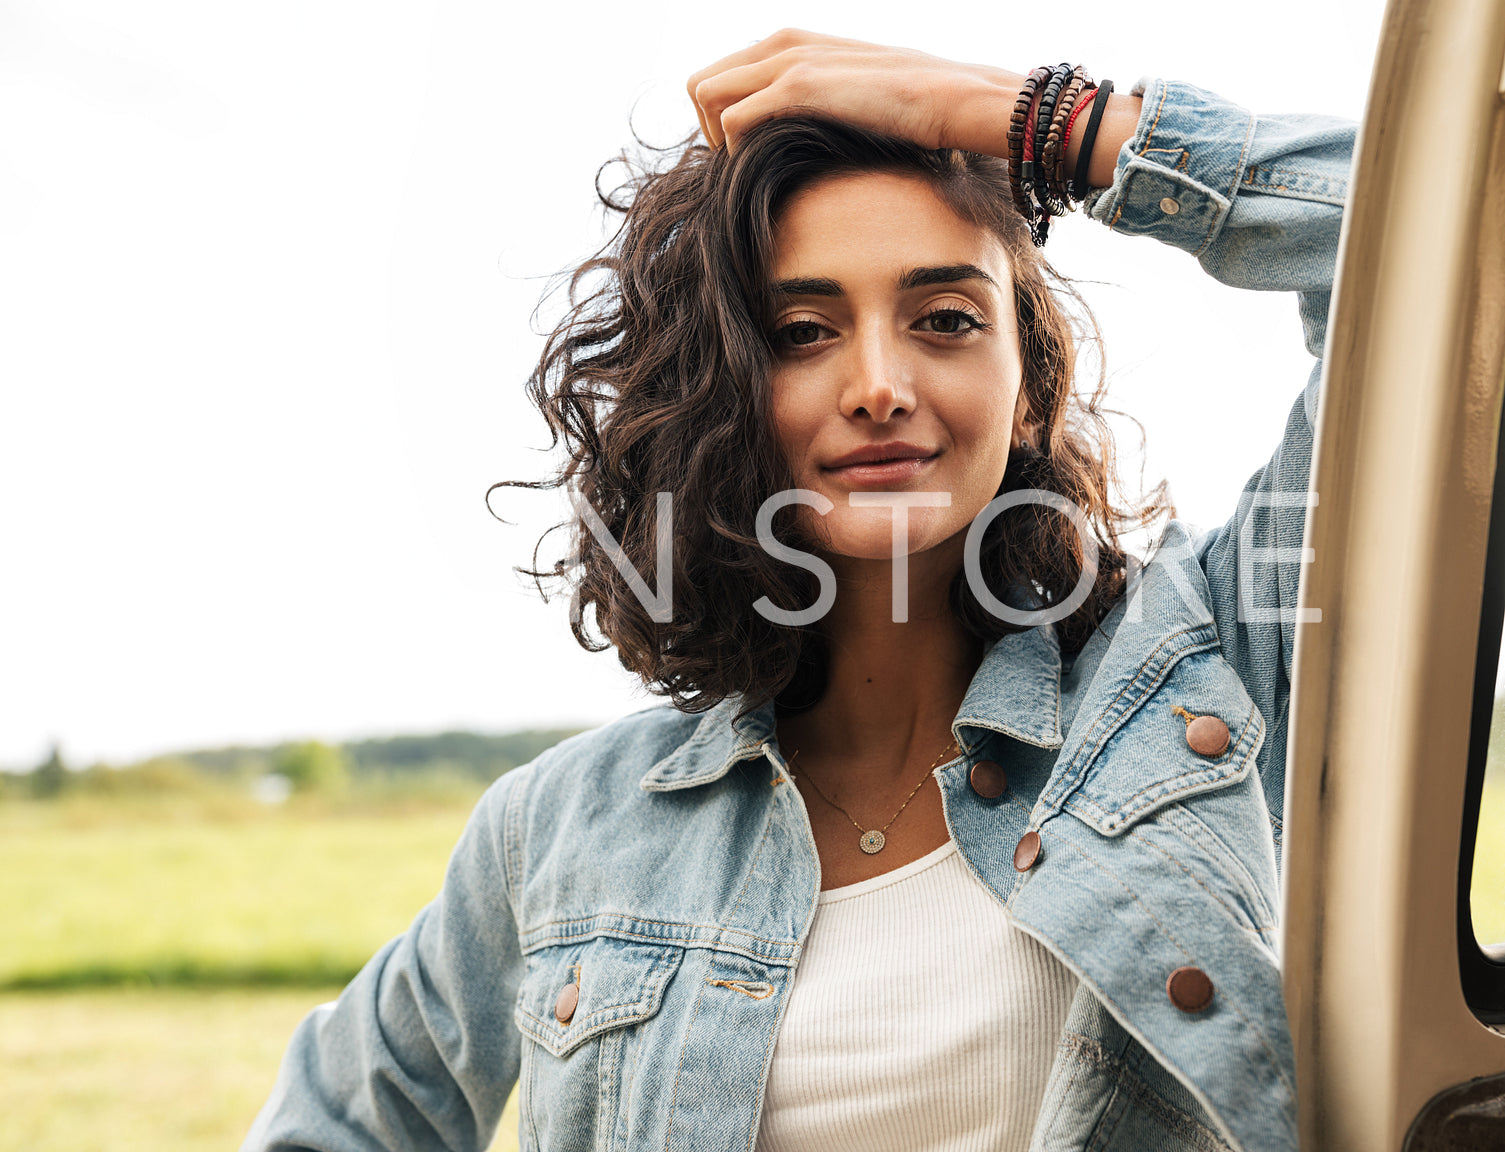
952,321
799,333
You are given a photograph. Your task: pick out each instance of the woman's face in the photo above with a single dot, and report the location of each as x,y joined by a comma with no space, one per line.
897,359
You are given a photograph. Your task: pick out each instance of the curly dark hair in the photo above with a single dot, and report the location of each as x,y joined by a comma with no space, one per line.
657,380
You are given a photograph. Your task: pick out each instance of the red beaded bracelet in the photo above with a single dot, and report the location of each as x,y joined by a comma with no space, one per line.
1075,112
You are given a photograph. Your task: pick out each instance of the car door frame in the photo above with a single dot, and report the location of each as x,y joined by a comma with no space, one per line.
1382,705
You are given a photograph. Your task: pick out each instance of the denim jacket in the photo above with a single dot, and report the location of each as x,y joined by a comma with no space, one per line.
664,863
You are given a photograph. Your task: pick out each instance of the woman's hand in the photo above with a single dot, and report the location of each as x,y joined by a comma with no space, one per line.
935,103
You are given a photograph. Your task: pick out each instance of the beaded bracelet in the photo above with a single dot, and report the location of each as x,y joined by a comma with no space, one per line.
1039,135
1077,110
1020,128
1041,127
1052,190
1037,132
1031,166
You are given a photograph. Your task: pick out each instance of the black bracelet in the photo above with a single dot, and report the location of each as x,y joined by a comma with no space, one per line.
1079,87
1040,226
1041,127
1051,191
1033,168
1078,187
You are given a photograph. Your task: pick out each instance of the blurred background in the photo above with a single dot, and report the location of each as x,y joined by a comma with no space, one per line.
268,276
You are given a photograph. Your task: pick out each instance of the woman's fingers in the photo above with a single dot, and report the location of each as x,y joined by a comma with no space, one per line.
719,92
760,66
894,90
705,131
766,104
758,50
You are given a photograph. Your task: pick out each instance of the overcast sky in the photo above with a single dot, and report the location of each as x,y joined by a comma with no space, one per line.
267,273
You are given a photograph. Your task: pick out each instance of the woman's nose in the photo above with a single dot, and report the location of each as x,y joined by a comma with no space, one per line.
877,383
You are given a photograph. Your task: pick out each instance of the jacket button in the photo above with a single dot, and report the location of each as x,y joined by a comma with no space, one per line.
1189,989
1170,206
1027,851
988,780
1207,735
564,1007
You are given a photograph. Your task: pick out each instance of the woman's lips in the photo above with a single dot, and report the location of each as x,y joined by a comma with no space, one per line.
879,472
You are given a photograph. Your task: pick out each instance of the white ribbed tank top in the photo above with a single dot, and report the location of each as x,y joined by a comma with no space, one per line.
920,1018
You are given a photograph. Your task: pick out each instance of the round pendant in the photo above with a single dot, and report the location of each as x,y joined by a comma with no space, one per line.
871,842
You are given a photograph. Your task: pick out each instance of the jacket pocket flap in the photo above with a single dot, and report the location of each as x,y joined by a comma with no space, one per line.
618,983
1151,760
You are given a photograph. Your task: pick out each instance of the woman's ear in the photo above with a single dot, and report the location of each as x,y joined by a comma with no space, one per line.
1026,431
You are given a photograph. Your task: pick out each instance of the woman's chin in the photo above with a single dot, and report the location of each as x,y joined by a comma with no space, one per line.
870,545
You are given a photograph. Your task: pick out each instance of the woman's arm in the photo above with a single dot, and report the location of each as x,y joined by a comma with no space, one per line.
935,102
1258,200
420,1051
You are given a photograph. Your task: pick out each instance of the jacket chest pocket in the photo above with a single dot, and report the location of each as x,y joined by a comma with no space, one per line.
579,1009
1177,773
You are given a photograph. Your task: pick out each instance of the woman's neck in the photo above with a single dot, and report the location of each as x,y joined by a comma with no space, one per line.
892,689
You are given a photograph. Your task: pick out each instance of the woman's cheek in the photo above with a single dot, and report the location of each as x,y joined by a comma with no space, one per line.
793,437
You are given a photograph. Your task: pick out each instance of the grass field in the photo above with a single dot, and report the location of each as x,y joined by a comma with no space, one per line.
140,1006
229,896
165,1070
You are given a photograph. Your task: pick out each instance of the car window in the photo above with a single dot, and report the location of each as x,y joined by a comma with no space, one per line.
1481,858
1487,881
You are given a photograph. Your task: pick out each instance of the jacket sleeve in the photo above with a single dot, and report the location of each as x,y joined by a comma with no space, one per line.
420,1051
1258,200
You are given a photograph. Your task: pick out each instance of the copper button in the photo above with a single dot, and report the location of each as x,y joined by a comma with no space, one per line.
1189,989
988,780
1207,735
564,1007
1027,851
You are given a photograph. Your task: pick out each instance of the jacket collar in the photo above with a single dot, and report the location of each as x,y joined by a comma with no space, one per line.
1016,691
718,742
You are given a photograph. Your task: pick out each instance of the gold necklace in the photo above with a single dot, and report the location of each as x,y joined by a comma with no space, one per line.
873,839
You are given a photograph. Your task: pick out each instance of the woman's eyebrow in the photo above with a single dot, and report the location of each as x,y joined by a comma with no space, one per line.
943,274
913,278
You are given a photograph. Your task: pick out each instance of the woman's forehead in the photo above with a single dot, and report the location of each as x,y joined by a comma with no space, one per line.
872,222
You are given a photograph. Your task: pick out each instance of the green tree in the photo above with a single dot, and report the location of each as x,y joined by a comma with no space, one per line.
313,766
49,777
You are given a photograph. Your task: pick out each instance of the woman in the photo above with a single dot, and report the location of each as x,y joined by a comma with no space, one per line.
964,833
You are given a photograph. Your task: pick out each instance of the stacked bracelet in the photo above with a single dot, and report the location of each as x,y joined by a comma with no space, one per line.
1044,114
1021,178
1039,134
1056,140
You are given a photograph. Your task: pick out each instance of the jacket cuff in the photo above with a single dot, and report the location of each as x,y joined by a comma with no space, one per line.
1176,177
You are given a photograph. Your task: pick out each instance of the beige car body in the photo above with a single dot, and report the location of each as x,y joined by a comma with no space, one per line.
1384,684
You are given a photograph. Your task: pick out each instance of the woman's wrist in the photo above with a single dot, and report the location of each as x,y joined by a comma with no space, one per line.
985,98
1120,119
982,102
